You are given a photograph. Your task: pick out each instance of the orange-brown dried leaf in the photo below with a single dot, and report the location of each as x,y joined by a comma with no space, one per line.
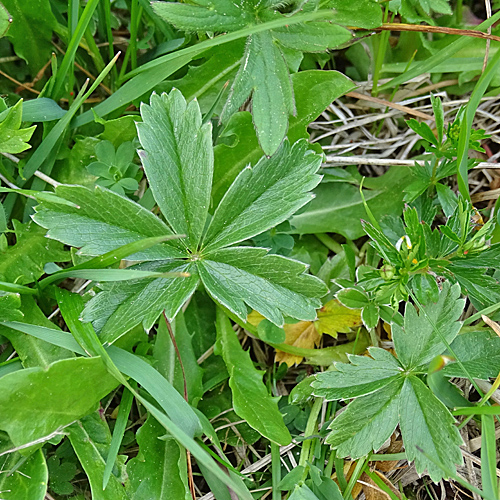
302,334
373,492
334,318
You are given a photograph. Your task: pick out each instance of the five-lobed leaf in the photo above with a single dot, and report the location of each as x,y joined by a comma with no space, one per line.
178,158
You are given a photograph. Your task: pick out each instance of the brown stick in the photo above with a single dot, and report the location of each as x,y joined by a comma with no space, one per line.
424,28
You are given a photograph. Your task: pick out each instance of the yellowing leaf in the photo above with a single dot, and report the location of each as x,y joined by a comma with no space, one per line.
334,318
302,334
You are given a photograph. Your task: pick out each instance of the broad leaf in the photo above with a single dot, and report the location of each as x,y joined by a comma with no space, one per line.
43,400
178,153
9,307
162,461
425,422
103,221
479,353
271,284
24,261
32,351
367,422
13,138
31,31
338,207
251,400
29,477
122,305
363,376
264,196
90,438
420,339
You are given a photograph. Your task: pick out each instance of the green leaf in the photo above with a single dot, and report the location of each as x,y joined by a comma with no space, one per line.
9,307
122,305
43,400
28,481
103,222
483,290
5,20
251,400
13,138
222,15
238,146
24,261
205,81
479,353
363,376
425,422
338,207
31,31
420,339
362,14
367,422
90,439
302,492
162,461
32,351
264,74
271,284
316,36
353,298
178,160
264,196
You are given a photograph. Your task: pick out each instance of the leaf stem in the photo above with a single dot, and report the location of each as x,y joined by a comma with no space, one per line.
311,429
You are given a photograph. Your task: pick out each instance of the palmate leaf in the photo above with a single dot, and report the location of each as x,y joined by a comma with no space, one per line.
178,159
263,73
387,391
